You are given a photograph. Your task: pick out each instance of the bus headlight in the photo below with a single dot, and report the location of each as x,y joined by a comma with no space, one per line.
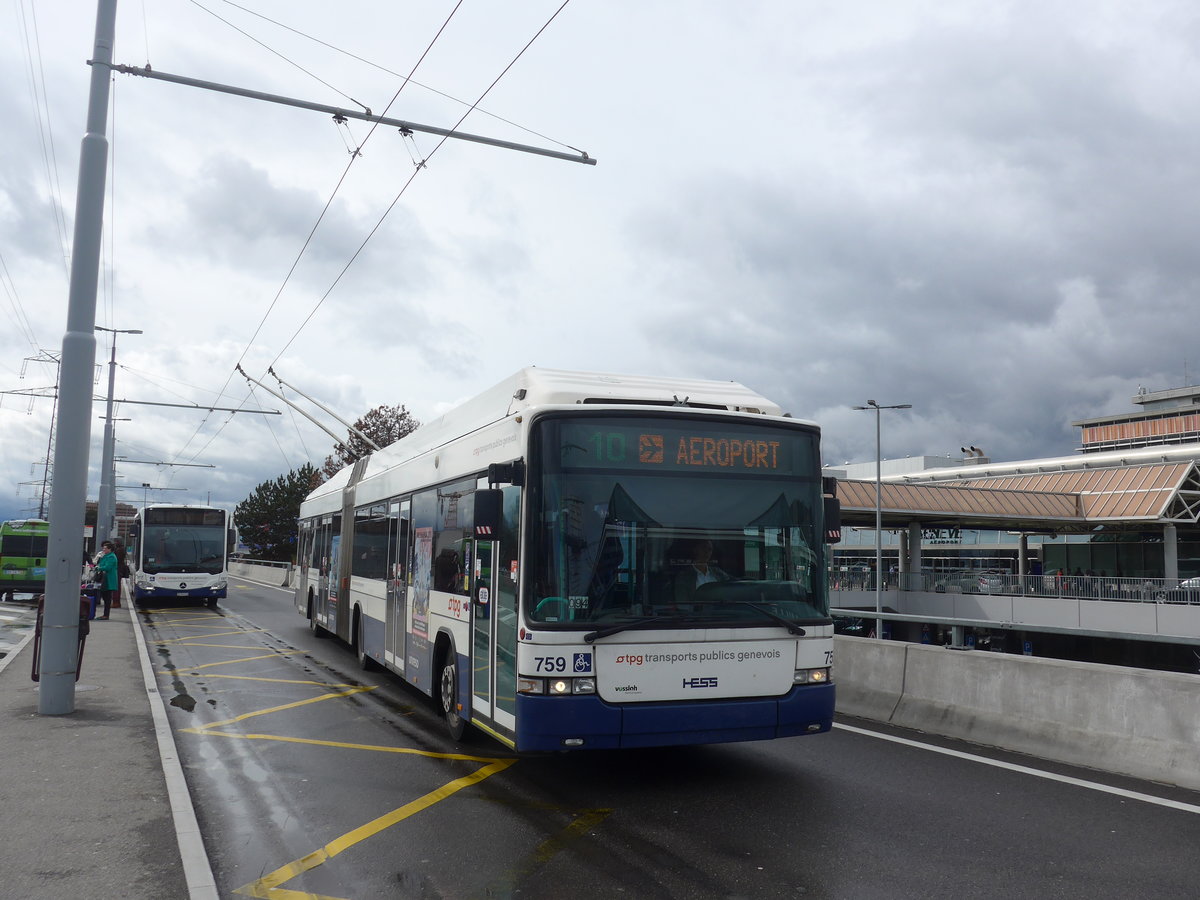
531,686
556,687
811,676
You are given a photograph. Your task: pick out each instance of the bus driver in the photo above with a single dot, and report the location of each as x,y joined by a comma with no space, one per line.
700,571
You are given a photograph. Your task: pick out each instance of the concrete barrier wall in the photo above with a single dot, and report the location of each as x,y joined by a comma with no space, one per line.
276,575
1128,721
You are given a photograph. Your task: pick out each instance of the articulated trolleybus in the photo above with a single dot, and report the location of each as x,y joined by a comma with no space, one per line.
180,552
574,560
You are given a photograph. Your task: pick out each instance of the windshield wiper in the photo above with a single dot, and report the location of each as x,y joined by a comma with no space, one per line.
621,626
786,623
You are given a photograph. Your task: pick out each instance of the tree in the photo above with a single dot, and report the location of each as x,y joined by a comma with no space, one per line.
384,425
266,520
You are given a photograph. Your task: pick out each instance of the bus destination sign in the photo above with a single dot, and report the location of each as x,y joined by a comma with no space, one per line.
652,445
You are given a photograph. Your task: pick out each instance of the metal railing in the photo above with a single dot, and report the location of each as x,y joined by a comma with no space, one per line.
1076,587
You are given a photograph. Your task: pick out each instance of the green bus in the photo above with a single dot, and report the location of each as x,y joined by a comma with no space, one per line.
23,546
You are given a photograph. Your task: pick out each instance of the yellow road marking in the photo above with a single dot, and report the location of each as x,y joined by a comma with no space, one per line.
497,735
552,845
262,712
195,636
270,885
169,611
266,887
228,662
195,643
323,684
506,885
342,745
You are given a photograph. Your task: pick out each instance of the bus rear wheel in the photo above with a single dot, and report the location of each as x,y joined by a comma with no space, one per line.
315,628
365,662
448,681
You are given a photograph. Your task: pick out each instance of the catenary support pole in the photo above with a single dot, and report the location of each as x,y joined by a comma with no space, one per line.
68,493
106,506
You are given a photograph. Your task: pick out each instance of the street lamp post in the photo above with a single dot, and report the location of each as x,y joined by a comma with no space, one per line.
106,505
871,404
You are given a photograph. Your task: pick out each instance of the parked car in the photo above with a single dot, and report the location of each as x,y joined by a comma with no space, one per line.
989,582
1188,591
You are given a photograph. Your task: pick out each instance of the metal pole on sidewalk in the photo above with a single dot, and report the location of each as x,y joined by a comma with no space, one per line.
68,493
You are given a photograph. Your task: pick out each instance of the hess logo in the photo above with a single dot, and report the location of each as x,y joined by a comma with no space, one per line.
708,682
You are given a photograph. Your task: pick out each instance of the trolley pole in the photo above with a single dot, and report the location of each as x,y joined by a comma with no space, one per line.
68,493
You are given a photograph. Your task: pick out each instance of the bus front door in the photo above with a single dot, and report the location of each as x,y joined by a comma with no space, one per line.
483,630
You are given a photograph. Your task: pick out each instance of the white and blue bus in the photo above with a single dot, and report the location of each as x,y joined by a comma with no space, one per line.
576,560
180,552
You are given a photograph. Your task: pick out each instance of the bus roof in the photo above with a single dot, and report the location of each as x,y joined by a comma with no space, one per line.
20,524
536,387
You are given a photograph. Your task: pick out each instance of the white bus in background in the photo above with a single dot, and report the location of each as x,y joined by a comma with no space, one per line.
180,552
530,560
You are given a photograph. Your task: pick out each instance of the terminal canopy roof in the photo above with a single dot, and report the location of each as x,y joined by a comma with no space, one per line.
1070,500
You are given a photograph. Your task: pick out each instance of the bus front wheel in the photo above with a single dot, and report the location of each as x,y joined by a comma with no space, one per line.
455,723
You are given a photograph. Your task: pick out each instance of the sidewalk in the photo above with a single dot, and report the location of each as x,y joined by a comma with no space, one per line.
86,803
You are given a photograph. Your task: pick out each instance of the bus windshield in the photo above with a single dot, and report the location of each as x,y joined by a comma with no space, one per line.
669,521
183,549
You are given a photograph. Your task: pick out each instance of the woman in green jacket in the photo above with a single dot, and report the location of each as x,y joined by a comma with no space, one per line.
107,564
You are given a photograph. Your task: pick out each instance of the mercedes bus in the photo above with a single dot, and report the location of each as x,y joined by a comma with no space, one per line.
579,560
180,552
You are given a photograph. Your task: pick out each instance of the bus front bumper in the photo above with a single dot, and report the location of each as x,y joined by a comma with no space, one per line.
587,722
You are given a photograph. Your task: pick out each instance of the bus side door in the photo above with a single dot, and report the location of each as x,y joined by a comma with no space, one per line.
399,558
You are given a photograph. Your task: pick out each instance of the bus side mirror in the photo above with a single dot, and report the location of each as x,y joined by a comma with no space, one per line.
507,473
488,504
833,520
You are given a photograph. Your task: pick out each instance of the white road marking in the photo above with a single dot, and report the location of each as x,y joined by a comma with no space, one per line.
1026,770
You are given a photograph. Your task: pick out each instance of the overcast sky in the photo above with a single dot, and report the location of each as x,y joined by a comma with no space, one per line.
985,210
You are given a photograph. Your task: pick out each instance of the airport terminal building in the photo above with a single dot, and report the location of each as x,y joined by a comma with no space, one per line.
1117,521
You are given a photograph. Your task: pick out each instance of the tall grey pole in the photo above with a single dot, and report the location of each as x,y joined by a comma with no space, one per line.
871,404
878,524
68,493
106,502
106,505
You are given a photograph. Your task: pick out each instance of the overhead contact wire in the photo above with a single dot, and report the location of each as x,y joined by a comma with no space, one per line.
381,68
413,176
316,225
